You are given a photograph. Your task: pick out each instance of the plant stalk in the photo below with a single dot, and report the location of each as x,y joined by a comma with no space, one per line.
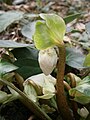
29,103
63,107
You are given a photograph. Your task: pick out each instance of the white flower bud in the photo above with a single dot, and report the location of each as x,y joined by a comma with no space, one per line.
47,60
83,112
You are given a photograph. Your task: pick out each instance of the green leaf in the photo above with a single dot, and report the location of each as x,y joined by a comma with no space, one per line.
4,97
27,67
86,80
11,44
26,52
6,67
82,91
27,61
84,86
74,58
27,71
13,96
82,99
50,32
72,17
42,36
79,97
8,18
29,29
31,16
85,89
87,61
56,25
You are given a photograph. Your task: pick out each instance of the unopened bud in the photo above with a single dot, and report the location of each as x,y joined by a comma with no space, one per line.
47,60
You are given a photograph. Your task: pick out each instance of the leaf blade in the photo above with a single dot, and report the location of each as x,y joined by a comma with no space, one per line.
42,36
56,24
8,18
11,44
6,67
70,18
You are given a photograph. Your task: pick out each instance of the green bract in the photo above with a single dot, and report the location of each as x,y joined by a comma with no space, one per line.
82,91
50,32
6,67
87,61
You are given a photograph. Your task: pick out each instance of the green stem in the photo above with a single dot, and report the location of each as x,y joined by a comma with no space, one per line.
61,98
29,103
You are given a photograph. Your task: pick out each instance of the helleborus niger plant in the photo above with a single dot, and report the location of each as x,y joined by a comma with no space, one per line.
48,34
47,87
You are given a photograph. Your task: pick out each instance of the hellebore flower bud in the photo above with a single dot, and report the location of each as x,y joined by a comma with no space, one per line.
47,60
83,112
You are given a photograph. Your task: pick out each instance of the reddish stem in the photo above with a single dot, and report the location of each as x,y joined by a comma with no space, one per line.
60,96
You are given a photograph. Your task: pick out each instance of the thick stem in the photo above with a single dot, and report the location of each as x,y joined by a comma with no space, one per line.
61,98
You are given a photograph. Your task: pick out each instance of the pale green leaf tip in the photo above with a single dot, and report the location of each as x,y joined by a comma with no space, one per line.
46,16
56,35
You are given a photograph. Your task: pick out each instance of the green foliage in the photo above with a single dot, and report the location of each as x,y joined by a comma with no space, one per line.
56,25
26,61
29,29
11,44
50,32
6,67
74,58
72,17
46,33
8,18
4,97
82,91
87,60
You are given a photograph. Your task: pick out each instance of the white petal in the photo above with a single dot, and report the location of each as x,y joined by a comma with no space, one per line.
47,83
40,79
47,60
